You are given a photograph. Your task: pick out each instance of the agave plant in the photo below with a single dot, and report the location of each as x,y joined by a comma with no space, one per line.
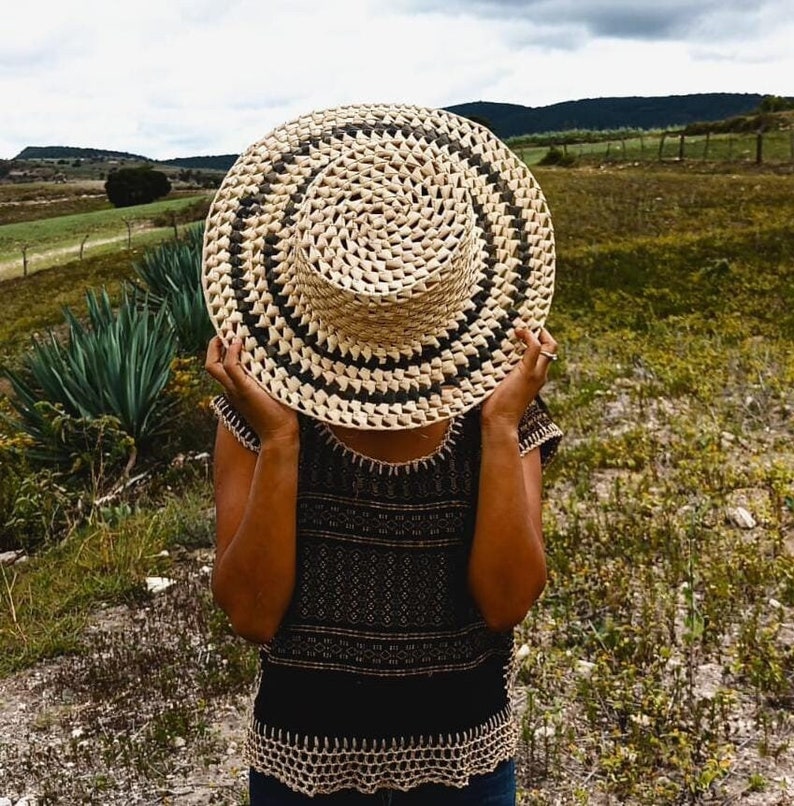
112,370
170,276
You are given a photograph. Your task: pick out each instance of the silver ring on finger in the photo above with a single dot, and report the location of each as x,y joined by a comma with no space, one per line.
550,356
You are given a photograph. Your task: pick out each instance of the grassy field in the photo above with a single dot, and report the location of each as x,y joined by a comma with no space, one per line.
717,151
658,667
58,239
30,201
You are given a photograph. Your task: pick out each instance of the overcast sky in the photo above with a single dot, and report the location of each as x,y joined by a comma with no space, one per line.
171,78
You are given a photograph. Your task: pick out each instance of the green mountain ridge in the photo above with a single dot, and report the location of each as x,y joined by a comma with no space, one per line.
505,120
633,112
35,153
73,152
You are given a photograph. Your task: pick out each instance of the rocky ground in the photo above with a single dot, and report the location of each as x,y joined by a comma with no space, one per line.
128,724
142,718
152,710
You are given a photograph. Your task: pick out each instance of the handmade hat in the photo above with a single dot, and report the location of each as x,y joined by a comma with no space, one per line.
375,260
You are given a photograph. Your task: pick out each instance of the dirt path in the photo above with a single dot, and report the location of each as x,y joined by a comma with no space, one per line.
54,200
39,261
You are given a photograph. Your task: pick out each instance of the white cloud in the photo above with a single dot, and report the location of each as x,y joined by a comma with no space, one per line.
181,77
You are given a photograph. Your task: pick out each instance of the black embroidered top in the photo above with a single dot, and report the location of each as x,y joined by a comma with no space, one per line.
383,673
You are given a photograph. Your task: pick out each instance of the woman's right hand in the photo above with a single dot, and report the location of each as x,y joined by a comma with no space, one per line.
270,418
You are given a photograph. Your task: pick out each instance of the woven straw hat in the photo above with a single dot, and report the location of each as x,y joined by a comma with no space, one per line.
375,260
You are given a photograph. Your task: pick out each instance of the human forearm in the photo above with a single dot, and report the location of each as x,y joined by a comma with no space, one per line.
507,568
254,574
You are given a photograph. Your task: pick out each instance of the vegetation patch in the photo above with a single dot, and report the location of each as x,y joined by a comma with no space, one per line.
657,667
29,246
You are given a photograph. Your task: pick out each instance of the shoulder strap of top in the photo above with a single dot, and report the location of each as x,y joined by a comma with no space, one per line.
538,430
229,417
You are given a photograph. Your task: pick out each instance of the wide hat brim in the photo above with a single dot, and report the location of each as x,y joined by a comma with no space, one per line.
285,277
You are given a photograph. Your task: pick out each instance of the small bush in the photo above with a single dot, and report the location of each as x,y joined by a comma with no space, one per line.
556,156
193,213
129,186
36,507
17,481
189,391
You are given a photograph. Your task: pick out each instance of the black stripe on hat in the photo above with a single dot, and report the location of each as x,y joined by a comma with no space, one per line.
251,205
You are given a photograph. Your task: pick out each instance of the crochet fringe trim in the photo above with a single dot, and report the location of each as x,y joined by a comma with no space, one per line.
541,432
233,421
543,429
245,435
392,468
322,765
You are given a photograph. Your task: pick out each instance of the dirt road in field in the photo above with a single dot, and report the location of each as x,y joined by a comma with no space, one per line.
38,261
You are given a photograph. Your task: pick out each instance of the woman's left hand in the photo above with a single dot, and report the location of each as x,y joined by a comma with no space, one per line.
508,402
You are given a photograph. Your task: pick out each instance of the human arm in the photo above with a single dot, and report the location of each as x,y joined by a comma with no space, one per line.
507,566
255,502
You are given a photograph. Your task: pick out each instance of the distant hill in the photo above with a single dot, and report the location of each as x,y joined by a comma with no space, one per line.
635,112
506,120
221,162
54,153
72,153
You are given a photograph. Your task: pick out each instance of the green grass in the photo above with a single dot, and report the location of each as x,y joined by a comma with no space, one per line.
738,149
33,200
656,632
33,304
47,603
676,391
600,209
67,232
658,663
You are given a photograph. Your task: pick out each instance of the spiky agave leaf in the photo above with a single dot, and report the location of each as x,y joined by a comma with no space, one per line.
170,276
116,367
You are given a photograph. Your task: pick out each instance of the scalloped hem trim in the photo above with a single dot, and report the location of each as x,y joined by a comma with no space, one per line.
322,765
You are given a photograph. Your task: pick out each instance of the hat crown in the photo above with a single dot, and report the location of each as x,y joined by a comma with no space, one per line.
383,248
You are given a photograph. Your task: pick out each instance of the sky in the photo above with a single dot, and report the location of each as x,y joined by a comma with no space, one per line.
178,78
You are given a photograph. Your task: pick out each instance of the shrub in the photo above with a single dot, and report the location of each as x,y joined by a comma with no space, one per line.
556,156
171,278
36,507
190,390
194,212
129,186
115,368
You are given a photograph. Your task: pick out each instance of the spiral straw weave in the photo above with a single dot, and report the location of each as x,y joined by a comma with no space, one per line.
375,261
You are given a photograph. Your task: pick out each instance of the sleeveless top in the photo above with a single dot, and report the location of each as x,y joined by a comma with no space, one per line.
383,674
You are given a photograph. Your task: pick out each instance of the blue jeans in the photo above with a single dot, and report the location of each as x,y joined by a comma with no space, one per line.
497,788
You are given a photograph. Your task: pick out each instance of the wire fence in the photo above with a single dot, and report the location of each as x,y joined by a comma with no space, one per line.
759,148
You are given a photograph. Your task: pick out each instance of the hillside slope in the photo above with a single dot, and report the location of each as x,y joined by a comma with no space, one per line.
511,120
506,120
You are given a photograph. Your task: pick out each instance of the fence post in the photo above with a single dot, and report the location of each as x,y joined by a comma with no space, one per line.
129,232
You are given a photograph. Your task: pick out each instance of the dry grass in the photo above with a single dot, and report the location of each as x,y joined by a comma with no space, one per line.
658,665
